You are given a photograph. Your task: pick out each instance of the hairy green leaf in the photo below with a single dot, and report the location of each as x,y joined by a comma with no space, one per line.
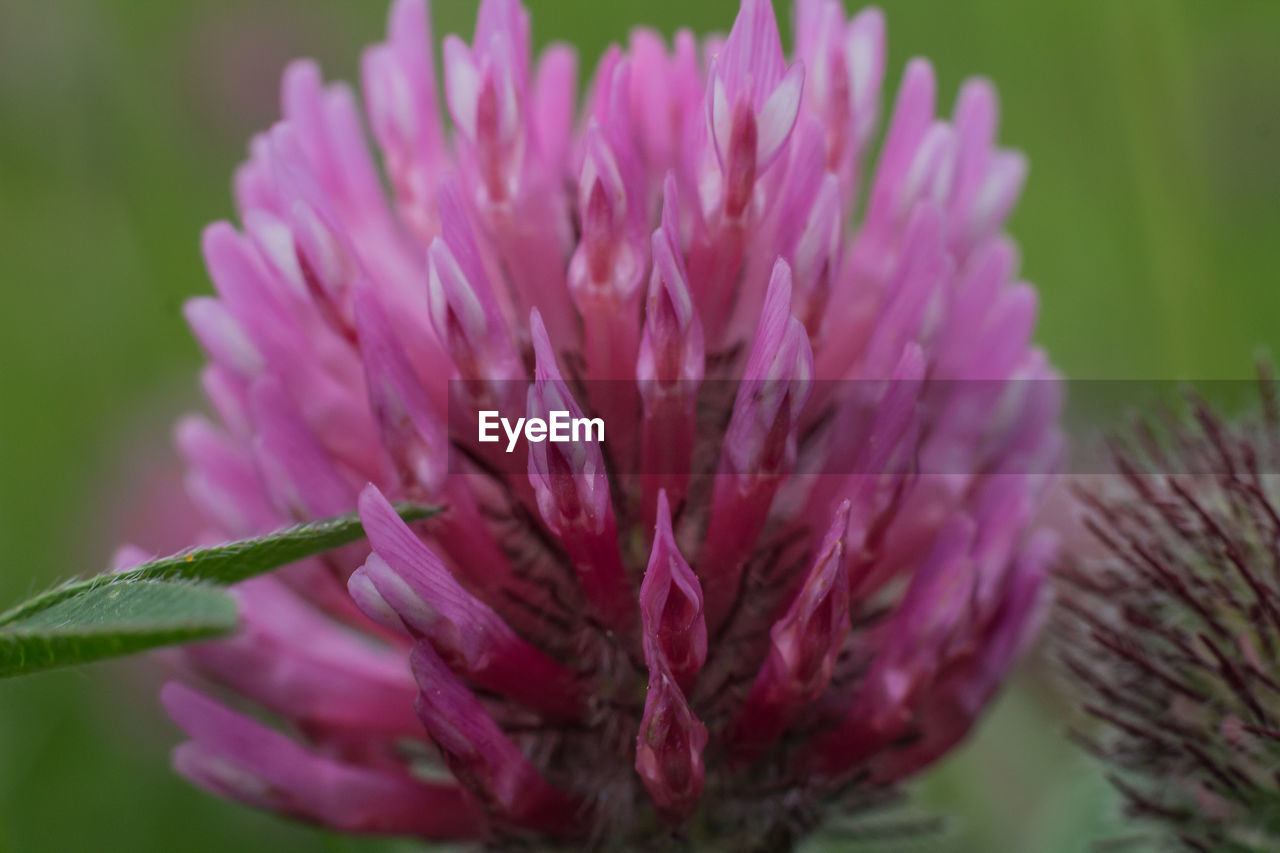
223,564
114,620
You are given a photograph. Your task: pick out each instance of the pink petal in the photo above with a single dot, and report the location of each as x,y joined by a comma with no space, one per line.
237,757
778,116
222,337
462,85
404,577
411,431
752,59
669,748
299,473
671,606
482,757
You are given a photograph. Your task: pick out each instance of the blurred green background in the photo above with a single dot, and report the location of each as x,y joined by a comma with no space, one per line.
1151,224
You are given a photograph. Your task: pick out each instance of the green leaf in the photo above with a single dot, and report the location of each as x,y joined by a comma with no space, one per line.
225,564
161,603
114,620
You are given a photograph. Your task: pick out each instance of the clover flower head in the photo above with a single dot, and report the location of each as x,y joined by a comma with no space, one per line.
805,555
1167,628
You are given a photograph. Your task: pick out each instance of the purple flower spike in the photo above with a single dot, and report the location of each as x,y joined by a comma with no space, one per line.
802,550
465,313
401,94
754,102
606,271
917,644
845,61
760,444
804,645
669,748
671,606
671,363
751,104
573,495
